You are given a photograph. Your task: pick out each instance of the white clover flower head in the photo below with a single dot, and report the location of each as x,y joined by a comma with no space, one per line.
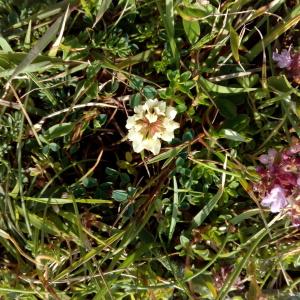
152,122
276,199
284,59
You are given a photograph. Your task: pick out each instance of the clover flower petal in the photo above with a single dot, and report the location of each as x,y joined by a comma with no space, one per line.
130,122
152,145
171,112
153,121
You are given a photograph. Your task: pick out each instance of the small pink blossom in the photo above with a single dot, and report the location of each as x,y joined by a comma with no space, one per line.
268,159
294,149
284,59
279,184
276,199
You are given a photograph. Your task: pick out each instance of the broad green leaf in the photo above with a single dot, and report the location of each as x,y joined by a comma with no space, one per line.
234,43
191,13
227,108
244,216
184,78
248,81
212,87
58,130
89,182
280,83
196,12
188,135
192,30
150,92
204,40
232,135
120,195
237,123
135,100
16,190
5,45
92,90
181,108
184,241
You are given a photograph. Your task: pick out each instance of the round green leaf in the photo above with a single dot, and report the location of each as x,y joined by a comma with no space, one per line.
119,195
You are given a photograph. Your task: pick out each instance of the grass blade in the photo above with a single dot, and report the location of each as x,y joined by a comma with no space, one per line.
212,87
272,36
38,47
104,5
174,209
233,276
168,20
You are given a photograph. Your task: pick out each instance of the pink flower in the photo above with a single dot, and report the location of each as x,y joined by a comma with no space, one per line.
268,159
276,199
294,149
284,59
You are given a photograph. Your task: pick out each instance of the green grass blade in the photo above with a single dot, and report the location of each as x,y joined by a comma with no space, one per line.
206,210
88,256
234,43
38,48
45,90
5,45
272,36
233,276
103,7
174,209
168,20
212,87
62,201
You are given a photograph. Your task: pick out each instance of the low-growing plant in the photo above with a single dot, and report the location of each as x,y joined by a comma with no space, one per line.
149,149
